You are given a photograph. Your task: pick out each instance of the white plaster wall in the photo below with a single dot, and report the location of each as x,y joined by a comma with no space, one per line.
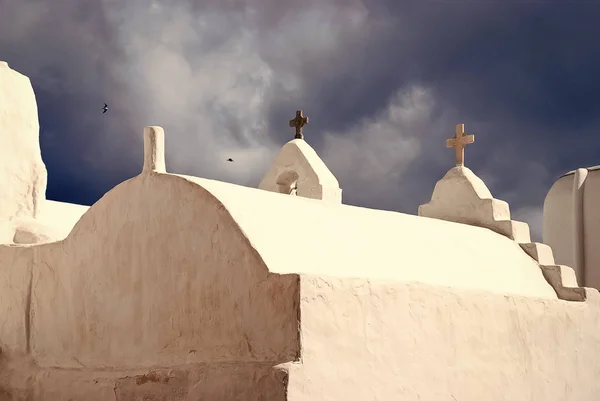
22,171
300,235
558,221
591,228
374,340
559,227
53,222
149,296
161,280
25,215
165,296
61,216
15,277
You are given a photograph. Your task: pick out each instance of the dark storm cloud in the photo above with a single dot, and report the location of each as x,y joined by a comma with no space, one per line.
384,82
66,48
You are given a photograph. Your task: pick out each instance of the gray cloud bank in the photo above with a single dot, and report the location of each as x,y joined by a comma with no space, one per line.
384,83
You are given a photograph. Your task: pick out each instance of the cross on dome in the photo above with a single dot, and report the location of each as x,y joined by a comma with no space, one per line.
298,123
459,142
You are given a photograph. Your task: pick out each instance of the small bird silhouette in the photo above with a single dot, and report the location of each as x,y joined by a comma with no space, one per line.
105,108
230,159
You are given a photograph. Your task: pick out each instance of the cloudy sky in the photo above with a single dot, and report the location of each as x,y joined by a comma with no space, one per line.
383,81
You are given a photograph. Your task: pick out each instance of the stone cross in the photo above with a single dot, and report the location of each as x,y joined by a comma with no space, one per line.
459,142
298,123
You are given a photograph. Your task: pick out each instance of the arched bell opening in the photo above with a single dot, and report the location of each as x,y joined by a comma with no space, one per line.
288,183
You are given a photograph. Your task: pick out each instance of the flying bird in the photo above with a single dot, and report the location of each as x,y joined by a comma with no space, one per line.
105,108
230,159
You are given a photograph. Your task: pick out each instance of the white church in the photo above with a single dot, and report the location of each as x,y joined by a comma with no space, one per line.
173,287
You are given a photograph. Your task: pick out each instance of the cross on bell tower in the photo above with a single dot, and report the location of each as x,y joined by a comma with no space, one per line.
298,123
459,142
